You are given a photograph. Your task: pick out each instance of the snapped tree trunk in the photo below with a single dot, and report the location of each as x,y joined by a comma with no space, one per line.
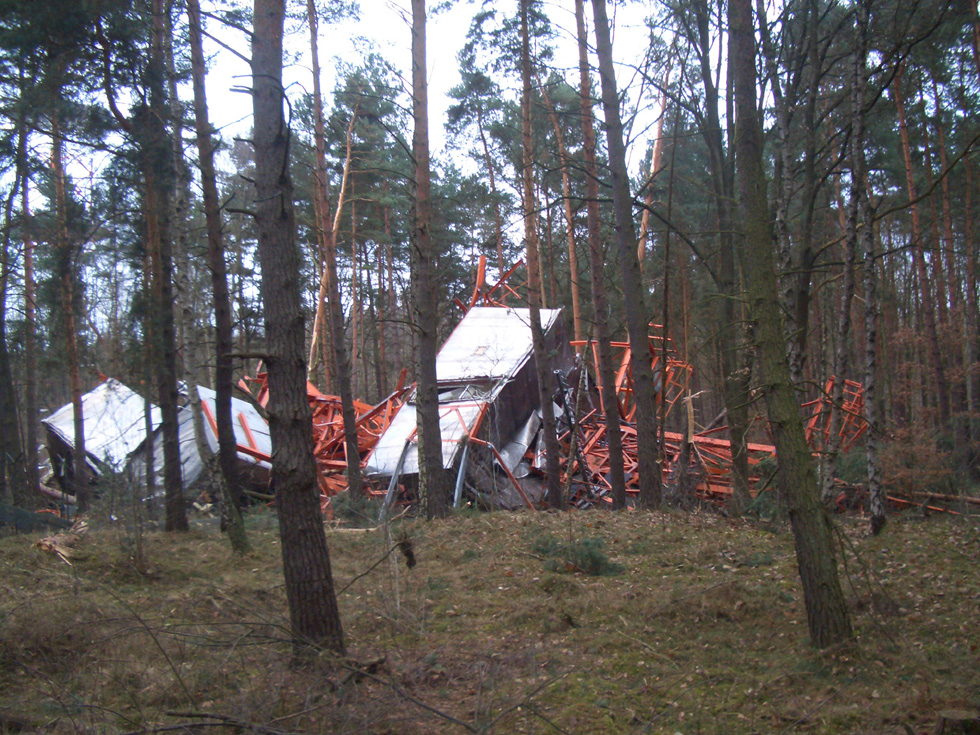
313,612
329,287
827,616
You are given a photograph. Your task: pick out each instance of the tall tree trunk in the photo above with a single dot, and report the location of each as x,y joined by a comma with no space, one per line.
610,403
158,175
433,487
497,219
68,277
938,251
355,295
31,431
829,459
149,379
191,360
321,205
313,610
928,307
955,285
12,465
542,360
864,223
876,493
223,335
827,614
971,341
566,190
644,391
656,164
734,356
382,306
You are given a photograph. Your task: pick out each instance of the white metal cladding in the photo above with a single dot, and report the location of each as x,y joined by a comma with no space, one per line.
489,343
114,424
241,411
486,350
455,421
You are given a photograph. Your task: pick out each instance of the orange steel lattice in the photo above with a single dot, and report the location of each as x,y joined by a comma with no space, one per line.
499,293
852,421
704,457
678,371
708,456
329,445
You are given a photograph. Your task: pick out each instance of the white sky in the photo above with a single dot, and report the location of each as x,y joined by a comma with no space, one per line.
384,27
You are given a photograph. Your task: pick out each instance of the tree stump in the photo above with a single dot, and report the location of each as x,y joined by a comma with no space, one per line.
958,722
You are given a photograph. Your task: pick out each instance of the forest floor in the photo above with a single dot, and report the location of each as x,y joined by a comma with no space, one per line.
691,623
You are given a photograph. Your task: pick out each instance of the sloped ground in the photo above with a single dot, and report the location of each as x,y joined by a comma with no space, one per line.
697,627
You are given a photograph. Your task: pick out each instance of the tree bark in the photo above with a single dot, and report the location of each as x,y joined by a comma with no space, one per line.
864,226
542,361
223,335
734,356
433,486
190,352
313,612
876,493
928,307
31,429
827,615
566,190
68,277
610,403
644,391
971,343
12,465
158,175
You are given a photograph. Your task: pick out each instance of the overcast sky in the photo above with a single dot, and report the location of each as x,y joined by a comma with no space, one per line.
384,26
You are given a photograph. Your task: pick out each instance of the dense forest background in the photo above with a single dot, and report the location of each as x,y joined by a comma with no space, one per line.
870,151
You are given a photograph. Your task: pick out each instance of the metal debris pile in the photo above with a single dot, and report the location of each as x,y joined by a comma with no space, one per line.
490,419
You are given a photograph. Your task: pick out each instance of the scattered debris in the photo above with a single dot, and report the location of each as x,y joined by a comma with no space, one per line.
490,420
63,544
487,404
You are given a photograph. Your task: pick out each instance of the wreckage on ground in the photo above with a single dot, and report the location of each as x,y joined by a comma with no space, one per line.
489,415
115,420
491,425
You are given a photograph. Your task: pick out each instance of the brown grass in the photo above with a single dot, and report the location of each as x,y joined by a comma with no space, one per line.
703,631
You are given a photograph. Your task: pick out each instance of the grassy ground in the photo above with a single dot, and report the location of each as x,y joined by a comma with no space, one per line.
693,624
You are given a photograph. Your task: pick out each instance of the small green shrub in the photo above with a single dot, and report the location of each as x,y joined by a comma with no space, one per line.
584,555
354,510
